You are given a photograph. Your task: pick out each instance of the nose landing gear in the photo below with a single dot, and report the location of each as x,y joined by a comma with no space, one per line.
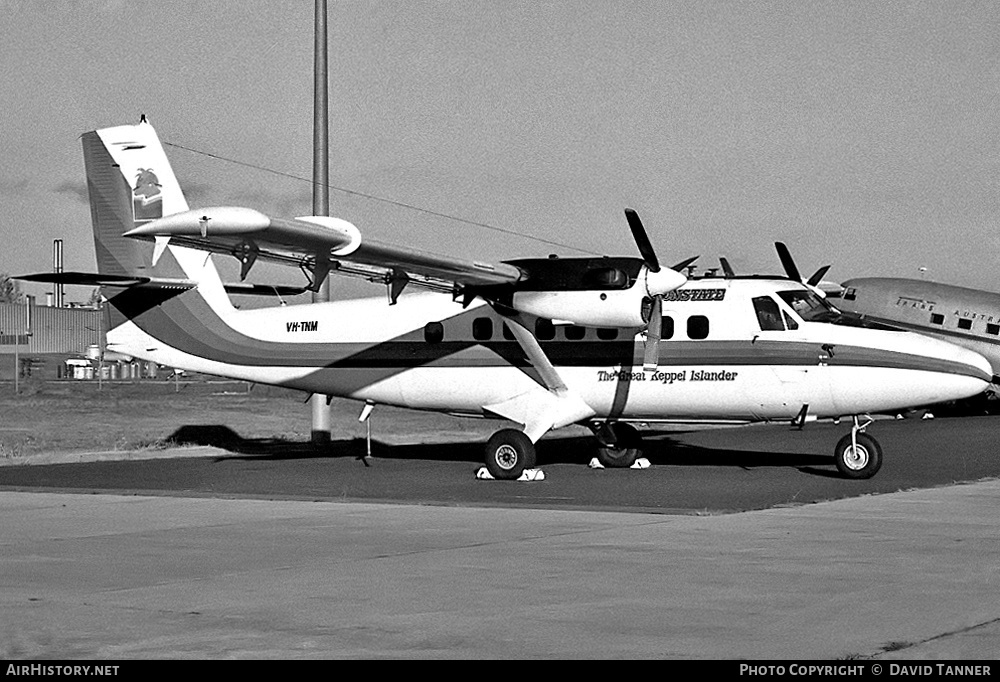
858,455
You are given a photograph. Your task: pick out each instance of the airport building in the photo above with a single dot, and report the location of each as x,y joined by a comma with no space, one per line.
58,343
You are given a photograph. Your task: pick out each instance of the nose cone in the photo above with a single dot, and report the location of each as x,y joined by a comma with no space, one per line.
663,281
898,370
957,359
960,373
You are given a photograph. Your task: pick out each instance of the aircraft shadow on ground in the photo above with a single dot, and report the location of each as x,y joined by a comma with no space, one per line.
661,449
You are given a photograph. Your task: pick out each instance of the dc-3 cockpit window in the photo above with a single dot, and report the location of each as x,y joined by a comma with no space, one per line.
768,314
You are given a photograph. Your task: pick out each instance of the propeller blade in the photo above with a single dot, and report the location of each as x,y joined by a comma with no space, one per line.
684,263
817,276
651,356
726,268
787,262
642,240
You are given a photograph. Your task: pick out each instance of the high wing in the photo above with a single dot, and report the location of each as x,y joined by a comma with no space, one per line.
318,245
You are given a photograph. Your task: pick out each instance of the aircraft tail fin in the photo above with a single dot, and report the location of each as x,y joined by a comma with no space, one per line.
130,182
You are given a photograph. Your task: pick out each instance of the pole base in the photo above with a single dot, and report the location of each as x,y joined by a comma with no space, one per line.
320,438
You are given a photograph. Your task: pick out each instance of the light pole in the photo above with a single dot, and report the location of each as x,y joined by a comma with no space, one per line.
321,196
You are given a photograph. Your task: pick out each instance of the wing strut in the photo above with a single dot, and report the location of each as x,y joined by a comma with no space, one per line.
320,271
395,282
247,252
540,410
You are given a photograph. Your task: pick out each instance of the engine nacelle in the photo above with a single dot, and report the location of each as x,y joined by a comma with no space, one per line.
609,308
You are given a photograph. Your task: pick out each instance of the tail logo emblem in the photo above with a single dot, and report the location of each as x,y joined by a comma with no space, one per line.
147,200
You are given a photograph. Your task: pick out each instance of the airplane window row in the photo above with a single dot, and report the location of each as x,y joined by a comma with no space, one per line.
966,323
483,329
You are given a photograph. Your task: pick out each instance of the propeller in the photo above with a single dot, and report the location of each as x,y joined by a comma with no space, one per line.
659,281
793,272
642,240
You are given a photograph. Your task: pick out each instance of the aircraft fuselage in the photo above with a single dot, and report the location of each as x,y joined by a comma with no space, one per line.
429,353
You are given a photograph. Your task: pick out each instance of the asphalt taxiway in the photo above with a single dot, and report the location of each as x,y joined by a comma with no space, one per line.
694,558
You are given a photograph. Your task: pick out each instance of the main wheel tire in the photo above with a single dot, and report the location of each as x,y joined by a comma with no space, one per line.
508,453
627,447
861,463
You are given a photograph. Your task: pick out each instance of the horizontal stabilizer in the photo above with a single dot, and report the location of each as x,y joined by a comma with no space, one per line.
94,279
90,279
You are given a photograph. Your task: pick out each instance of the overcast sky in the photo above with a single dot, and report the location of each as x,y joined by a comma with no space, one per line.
863,134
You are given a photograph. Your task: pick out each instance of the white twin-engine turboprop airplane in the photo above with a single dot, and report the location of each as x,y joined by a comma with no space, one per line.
543,343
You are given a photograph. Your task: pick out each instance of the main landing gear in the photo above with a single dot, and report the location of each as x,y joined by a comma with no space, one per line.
508,453
619,444
858,455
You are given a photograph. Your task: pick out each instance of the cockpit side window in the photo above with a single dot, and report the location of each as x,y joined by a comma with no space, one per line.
789,322
768,314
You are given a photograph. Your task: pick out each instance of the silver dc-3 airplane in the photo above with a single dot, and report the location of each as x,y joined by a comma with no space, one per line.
964,316
541,342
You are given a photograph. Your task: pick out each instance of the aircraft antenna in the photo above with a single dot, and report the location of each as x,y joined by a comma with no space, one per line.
392,202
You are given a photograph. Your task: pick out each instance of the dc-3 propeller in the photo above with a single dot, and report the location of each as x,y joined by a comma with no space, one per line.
815,281
659,281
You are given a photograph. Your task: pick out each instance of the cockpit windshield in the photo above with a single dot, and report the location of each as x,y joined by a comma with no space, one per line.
813,308
809,306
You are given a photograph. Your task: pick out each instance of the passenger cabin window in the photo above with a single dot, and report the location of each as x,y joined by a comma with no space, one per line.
482,329
697,327
768,314
937,318
507,333
574,333
433,332
993,329
965,324
607,333
667,327
544,330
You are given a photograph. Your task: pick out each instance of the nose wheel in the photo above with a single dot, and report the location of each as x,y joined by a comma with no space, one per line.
858,455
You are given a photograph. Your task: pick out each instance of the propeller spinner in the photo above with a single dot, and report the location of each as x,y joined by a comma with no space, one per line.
659,281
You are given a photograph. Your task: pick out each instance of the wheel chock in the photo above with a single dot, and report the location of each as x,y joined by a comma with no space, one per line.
483,474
